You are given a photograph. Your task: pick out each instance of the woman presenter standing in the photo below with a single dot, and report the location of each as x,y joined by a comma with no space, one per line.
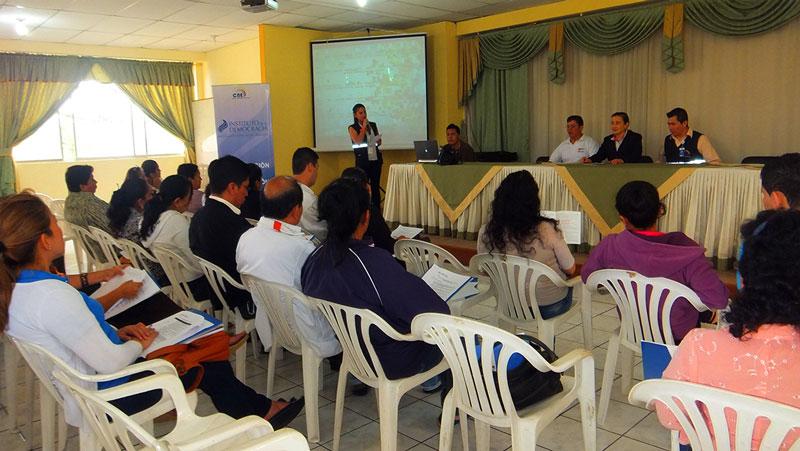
366,146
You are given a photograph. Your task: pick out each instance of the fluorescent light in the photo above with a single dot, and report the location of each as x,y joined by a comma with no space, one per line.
21,29
361,3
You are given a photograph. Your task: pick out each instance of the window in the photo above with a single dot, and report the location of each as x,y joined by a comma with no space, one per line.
97,121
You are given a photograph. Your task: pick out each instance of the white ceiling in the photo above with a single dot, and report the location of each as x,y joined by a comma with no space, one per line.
202,25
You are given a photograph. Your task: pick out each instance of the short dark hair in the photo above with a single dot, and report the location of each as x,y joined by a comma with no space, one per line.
357,174
224,171
254,174
454,127
782,174
301,158
638,201
188,170
78,175
578,120
623,115
149,167
678,113
280,206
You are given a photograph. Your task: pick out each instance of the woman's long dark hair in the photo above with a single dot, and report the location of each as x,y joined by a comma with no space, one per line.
342,204
355,108
516,214
172,187
770,273
123,199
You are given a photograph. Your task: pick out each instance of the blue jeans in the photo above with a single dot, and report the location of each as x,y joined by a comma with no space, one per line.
557,308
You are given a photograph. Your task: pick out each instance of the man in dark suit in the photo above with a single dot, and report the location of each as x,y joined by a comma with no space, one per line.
621,146
216,228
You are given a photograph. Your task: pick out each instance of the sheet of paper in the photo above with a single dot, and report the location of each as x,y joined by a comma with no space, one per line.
467,291
148,289
569,222
176,328
445,282
408,232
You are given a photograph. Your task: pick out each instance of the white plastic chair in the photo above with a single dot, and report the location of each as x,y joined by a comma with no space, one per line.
701,411
11,360
46,199
217,278
44,364
641,319
91,247
253,222
57,208
352,328
108,244
476,394
114,429
277,301
175,267
514,279
420,256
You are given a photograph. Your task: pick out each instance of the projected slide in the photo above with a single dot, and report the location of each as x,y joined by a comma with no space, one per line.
386,74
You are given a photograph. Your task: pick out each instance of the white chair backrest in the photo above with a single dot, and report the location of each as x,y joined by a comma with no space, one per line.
46,199
473,374
57,208
88,243
217,278
703,413
175,267
420,256
43,363
352,326
644,303
514,279
138,255
277,300
253,222
108,244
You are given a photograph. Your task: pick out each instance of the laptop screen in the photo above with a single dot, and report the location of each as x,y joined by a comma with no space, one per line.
427,151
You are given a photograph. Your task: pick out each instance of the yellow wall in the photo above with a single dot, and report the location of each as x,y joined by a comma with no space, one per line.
48,176
237,63
53,48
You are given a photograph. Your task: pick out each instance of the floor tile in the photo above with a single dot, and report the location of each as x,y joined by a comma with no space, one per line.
567,434
419,421
627,444
498,440
650,431
620,419
368,438
350,421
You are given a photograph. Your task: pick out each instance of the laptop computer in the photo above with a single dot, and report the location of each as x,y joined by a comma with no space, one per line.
427,151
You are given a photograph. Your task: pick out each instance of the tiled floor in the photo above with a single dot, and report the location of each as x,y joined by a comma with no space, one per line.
627,428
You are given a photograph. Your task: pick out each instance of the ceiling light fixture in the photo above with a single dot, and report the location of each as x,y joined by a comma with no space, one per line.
361,3
20,28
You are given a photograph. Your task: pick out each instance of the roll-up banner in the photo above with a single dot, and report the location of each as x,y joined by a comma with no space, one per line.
244,124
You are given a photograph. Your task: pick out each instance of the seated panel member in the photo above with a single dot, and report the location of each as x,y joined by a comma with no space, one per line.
622,145
684,144
577,146
460,149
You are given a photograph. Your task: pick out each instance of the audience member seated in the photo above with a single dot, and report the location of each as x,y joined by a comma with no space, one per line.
134,173
40,307
305,165
192,172
757,353
621,146
288,247
216,228
152,173
684,144
164,224
780,183
251,208
460,150
347,270
577,146
81,206
516,227
378,231
642,248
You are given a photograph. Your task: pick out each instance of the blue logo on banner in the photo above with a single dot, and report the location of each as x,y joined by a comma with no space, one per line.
222,126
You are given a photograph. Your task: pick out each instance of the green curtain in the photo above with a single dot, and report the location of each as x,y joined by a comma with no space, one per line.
740,17
613,33
509,49
499,111
163,90
32,88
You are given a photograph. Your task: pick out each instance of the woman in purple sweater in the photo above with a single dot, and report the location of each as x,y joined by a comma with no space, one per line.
642,248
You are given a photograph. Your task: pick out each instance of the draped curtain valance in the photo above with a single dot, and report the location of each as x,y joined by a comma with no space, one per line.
608,34
740,17
510,49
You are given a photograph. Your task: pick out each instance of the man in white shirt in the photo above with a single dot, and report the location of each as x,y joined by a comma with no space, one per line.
275,251
577,146
305,165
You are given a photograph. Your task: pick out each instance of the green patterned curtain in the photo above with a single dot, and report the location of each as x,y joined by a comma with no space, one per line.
740,17
510,49
499,114
613,33
555,56
672,42
32,88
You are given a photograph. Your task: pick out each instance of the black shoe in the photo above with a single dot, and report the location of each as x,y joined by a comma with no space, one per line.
287,414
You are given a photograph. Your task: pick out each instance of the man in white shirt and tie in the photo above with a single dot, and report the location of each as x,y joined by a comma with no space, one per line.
577,146
305,165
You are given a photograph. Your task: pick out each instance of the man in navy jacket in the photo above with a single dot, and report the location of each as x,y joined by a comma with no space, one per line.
621,146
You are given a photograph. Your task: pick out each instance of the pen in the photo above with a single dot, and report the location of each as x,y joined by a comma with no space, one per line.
182,321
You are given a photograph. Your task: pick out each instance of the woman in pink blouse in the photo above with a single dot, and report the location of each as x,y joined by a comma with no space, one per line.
759,353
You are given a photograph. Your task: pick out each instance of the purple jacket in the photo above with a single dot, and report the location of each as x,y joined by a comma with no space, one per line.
402,297
672,255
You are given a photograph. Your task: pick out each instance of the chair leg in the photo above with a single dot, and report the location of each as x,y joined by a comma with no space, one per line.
586,318
241,363
339,408
626,368
675,444
271,367
608,378
10,366
388,401
446,428
62,430
482,436
87,440
547,333
523,436
585,377
48,418
311,375
30,384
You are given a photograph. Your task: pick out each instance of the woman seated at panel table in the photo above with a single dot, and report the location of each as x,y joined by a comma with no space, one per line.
757,353
516,227
642,248
42,308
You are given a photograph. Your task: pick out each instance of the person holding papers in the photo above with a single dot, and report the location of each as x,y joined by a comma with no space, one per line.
516,227
42,308
366,145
